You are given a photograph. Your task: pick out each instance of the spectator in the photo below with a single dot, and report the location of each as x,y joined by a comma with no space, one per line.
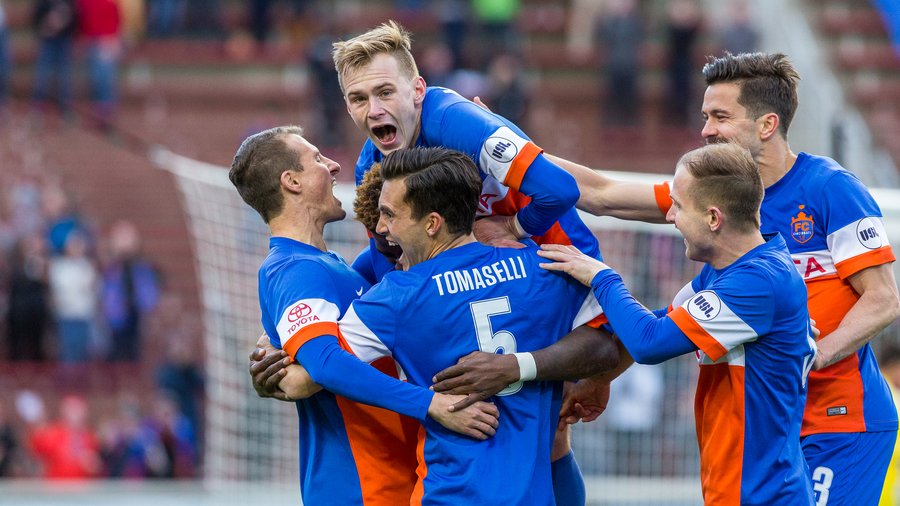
74,283
28,311
100,24
497,20
130,290
203,18
331,99
67,449
5,65
9,443
61,217
739,35
260,20
165,17
621,36
506,89
453,16
181,378
683,27
633,414
54,24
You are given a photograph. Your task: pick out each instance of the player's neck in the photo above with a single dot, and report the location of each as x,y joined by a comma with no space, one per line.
732,246
775,160
445,244
300,229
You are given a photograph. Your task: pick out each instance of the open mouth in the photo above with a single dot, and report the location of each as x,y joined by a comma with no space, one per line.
385,134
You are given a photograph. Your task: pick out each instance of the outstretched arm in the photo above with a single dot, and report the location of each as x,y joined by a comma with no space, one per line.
603,196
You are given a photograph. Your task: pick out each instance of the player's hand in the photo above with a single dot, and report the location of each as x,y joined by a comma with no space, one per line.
497,231
478,421
267,368
584,400
571,261
477,376
481,104
815,330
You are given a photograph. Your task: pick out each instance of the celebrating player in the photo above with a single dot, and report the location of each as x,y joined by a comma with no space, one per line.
459,296
303,290
745,315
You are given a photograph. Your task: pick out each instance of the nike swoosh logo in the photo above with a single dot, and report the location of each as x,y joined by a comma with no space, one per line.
359,292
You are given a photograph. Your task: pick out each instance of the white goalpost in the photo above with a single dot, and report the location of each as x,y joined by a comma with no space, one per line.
641,451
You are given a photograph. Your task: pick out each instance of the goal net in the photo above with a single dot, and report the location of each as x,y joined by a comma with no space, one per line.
643,450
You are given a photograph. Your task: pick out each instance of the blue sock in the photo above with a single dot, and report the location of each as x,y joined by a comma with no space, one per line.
568,483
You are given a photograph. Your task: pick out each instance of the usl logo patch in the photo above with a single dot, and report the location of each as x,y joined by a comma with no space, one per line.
500,149
802,226
705,305
867,234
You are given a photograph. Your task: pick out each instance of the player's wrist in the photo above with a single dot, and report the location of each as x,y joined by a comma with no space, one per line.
527,366
517,228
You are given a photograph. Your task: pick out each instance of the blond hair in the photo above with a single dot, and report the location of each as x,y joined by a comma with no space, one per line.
388,38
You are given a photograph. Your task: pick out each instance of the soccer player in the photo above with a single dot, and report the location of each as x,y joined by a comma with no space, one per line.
459,296
523,191
350,453
835,233
744,315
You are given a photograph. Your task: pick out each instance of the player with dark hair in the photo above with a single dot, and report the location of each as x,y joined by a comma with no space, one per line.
459,296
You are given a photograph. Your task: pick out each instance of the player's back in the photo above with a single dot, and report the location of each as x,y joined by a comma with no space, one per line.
469,298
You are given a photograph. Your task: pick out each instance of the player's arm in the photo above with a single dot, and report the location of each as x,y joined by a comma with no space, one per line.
269,366
649,338
603,196
582,352
513,160
877,307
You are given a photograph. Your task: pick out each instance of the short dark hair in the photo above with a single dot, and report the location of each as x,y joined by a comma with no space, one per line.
437,180
726,176
257,167
768,83
365,206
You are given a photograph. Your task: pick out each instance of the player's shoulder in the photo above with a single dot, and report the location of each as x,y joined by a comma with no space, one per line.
368,155
824,173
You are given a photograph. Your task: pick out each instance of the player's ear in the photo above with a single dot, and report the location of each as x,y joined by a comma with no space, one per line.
714,218
290,181
768,125
419,89
433,224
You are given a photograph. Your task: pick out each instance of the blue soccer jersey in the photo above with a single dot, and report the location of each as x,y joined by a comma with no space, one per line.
349,453
475,297
833,229
750,326
517,178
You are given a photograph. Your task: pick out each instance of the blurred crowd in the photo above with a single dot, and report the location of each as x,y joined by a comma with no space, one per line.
78,302
479,47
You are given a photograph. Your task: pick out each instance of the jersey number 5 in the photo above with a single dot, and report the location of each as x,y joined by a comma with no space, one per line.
502,341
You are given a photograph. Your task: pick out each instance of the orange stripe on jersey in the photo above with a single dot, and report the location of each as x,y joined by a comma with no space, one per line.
421,471
663,200
598,321
840,384
853,265
309,332
697,334
719,414
519,166
383,447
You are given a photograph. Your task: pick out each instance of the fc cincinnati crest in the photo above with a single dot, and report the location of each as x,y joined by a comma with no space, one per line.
802,226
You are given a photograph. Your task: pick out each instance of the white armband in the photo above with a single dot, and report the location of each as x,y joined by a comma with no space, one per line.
527,366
